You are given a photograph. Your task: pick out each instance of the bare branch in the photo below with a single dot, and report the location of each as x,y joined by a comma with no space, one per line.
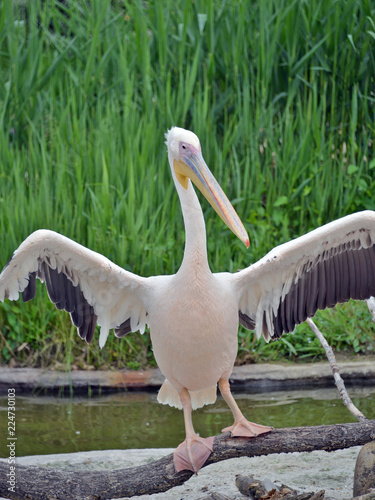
336,375
45,483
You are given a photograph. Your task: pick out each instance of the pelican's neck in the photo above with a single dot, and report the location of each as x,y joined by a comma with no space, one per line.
195,253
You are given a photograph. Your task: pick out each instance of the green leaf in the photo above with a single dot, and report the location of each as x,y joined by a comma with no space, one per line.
202,19
282,200
352,42
352,169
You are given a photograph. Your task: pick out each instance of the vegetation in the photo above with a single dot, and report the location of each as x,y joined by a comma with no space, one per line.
281,94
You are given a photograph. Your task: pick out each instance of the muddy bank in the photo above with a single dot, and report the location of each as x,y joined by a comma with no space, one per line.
256,377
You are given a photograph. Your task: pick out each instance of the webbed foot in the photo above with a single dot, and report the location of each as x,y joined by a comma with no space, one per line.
244,428
192,453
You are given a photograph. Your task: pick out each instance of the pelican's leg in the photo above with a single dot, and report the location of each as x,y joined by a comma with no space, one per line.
241,426
194,451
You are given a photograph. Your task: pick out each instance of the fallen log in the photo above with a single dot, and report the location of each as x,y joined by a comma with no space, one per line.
39,483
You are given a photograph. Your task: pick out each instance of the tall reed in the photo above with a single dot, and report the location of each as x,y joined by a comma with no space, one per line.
281,94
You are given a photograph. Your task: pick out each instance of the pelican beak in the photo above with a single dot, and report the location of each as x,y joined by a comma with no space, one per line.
192,166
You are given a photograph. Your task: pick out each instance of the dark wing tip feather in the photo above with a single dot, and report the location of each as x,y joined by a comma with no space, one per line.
65,295
346,272
87,328
30,290
246,321
123,329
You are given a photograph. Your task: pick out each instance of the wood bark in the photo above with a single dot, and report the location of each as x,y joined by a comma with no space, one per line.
39,483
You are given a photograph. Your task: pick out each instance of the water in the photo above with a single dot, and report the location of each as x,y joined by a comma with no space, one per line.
53,424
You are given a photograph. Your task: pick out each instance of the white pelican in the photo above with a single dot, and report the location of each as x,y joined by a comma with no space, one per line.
193,315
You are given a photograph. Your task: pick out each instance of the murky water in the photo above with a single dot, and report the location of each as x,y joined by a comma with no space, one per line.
52,424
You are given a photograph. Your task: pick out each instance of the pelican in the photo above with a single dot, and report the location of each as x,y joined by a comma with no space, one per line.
194,314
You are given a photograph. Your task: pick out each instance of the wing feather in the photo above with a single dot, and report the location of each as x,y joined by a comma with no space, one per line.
82,282
331,264
30,290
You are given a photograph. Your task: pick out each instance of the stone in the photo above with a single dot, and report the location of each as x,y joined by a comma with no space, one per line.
364,474
255,488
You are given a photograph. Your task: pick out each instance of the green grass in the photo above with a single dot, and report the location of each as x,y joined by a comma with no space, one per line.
281,94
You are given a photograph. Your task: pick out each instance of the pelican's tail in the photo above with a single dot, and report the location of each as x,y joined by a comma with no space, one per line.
168,395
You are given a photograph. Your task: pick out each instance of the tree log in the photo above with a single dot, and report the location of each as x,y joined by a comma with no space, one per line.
45,483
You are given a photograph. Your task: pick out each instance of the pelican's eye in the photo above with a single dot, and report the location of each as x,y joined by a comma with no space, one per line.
185,150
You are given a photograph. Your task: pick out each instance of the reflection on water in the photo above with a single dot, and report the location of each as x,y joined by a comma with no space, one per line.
52,424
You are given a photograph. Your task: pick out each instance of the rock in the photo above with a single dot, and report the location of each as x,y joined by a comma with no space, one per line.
368,496
267,490
364,474
298,496
318,496
269,485
286,491
245,484
254,488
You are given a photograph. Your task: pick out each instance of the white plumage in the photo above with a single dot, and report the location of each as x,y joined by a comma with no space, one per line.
194,315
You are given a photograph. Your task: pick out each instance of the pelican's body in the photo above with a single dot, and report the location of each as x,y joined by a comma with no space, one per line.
194,315
203,307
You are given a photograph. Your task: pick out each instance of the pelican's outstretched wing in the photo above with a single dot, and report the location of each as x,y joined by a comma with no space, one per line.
331,264
84,283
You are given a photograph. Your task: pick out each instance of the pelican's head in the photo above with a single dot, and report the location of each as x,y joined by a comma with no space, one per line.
186,160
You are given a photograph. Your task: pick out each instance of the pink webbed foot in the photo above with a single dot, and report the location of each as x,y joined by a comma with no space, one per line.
244,428
192,453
